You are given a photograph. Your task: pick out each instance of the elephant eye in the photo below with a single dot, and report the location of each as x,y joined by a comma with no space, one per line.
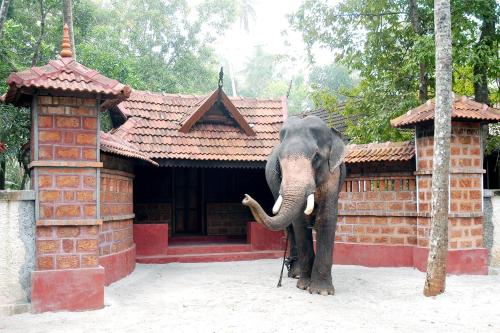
316,158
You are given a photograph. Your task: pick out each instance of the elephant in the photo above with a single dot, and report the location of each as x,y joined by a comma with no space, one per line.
305,173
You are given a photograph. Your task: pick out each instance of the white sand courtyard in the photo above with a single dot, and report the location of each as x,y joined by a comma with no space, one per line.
242,297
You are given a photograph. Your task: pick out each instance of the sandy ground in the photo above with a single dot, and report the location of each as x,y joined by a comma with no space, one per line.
242,297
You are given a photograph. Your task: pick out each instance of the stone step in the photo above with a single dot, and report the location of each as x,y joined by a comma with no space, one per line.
207,248
209,257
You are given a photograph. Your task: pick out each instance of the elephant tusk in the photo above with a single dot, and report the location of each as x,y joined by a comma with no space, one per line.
277,205
310,204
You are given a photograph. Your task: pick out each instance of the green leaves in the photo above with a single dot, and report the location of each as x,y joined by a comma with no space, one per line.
378,40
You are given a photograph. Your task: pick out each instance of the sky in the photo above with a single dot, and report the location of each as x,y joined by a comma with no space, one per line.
267,31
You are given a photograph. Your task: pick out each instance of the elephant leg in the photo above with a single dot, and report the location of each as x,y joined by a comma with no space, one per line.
321,277
294,271
304,241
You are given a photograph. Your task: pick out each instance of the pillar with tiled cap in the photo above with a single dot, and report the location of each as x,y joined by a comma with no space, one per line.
66,99
467,253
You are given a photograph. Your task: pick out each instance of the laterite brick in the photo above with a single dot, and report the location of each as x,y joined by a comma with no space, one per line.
68,261
68,211
67,153
47,246
45,262
86,245
49,136
67,232
67,122
86,139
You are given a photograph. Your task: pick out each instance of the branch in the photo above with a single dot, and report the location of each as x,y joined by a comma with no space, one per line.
9,62
36,52
368,14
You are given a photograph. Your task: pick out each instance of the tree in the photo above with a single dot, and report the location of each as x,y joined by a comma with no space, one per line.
486,49
14,133
438,251
68,19
4,7
246,13
332,78
390,44
259,71
151,45
416,23
265,76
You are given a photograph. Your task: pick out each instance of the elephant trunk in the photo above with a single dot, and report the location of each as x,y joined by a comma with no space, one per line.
297,185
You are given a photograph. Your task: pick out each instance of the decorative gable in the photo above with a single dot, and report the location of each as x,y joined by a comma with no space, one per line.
218,115
215,109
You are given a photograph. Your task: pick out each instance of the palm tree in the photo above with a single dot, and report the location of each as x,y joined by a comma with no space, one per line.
246,12
436,266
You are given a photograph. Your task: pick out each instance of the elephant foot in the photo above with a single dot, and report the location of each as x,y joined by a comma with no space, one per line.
294,271
324,288
303,283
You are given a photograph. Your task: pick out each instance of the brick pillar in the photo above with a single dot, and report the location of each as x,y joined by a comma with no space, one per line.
467,253
66,179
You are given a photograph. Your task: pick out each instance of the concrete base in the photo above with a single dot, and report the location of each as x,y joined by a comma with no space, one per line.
67,290
261,238
118,265
372,255
473,261
151,239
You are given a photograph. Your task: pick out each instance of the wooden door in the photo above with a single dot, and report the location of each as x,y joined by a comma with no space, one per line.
187,201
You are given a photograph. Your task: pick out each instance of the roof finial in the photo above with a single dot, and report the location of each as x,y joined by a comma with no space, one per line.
221,77
66,44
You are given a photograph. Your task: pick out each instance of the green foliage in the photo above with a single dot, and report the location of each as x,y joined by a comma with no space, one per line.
377,40
155,45
14,133
151,45
333,78
265,77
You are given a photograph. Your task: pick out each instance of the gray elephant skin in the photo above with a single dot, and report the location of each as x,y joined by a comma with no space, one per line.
305,173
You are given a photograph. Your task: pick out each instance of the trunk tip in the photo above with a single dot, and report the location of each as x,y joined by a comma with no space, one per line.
246,200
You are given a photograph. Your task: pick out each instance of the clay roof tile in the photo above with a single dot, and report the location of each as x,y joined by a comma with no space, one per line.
463,108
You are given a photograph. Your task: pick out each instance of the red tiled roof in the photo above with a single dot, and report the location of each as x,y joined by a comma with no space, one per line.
113,144
65,74
380,152
154,123
463,108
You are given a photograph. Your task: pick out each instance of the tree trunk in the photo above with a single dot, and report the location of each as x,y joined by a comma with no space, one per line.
36,52
68,19
485,44
436,266
4,8
423,77
2,174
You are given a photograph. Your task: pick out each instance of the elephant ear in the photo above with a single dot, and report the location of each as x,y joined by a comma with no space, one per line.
273,172
337,151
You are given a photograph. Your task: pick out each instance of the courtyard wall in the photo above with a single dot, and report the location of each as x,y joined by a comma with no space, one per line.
17,250
116,244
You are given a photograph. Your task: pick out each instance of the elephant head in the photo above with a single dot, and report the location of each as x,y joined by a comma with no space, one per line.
306,158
